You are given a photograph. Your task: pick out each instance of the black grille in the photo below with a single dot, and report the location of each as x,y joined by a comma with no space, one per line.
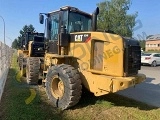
132,57
38,39
38,49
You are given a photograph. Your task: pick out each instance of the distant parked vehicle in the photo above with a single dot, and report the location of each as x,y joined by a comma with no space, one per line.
152,59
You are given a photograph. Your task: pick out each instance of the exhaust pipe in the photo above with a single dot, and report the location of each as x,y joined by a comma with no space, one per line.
94,19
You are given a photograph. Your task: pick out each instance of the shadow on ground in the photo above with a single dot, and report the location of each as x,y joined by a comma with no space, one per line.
115,99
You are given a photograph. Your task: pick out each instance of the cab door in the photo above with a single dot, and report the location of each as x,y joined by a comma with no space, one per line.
53,31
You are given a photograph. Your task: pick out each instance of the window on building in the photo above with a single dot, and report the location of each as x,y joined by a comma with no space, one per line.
147,45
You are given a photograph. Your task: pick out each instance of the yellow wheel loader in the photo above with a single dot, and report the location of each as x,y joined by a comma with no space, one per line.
32,45
78,54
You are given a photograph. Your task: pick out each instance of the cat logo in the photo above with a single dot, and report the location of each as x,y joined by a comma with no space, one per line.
78,37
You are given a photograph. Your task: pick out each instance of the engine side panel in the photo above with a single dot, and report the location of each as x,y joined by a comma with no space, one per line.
100,53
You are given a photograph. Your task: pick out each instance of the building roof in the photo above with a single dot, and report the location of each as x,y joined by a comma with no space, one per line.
154,37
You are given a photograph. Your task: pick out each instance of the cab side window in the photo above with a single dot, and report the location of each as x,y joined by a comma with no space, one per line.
54,26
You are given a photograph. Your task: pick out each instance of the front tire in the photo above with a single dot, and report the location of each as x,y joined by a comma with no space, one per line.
32,70
63,86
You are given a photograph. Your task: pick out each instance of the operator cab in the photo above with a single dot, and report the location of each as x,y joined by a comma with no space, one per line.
33,36
70,19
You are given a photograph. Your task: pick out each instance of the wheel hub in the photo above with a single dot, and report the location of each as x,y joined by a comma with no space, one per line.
57,87
60,86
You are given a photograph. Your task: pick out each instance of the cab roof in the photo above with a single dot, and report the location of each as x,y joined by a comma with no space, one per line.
71,9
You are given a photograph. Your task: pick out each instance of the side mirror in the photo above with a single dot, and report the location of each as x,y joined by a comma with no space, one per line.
41,18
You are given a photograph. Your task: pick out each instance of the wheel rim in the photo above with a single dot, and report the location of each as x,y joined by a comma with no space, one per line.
57,87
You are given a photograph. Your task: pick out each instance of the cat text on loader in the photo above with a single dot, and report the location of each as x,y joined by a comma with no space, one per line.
32,45
78,54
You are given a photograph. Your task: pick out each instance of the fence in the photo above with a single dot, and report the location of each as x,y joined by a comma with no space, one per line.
5,60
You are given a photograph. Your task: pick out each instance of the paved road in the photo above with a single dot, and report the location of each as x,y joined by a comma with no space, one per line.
148,91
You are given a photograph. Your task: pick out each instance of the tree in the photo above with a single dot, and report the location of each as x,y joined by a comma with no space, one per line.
27,28
113,17
17,42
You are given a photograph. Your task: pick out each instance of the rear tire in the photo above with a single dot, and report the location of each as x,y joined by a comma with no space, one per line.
63,86
154,64
32,70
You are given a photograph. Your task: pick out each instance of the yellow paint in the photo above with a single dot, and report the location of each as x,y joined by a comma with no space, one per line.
31,97
18,76
19,52
102,84
112,55
30,48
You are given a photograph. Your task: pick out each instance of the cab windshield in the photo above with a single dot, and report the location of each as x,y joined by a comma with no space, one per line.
78,22
73,21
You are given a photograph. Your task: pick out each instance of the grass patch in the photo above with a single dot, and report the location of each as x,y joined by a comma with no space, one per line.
13,105
104,103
